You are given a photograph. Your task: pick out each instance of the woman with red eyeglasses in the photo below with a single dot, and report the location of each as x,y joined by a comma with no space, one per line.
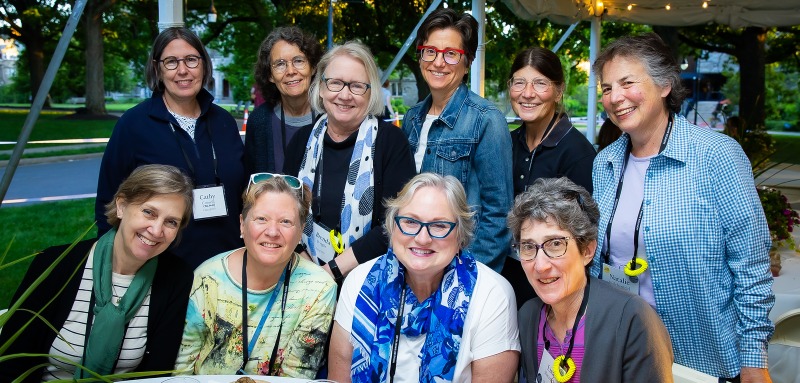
456,132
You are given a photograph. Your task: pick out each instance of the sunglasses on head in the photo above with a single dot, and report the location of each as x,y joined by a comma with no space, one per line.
292,181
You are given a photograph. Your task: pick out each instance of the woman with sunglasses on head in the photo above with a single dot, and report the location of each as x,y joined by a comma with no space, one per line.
578,329
287,62
546,144
426,311
350,159
456,132
115,304
261,309
181,126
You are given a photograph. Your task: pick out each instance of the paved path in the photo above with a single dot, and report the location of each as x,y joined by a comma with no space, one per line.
72,179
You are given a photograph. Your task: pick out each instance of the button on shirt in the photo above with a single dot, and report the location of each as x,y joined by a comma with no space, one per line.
707,244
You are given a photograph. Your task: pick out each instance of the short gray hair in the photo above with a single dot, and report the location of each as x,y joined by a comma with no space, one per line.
360,52
571,207
456,198
655,56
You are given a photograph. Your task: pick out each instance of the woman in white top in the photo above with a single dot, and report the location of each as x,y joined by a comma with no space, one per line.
426,310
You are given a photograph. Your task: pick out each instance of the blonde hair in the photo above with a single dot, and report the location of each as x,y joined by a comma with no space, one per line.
278,185
359,52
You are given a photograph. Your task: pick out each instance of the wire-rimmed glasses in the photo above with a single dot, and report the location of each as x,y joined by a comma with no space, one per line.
540,85
298,62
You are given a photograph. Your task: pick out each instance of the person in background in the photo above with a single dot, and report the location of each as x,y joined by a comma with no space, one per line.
426,311
578,328
685,230
546,144
116,304
181,126
608,133
388,110
261,309
287,62
456,132
351,160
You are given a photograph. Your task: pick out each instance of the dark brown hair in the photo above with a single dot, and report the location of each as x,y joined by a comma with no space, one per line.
263,68
152,69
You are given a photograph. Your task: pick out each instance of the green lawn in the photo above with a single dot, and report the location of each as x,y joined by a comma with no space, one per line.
33,228
51,126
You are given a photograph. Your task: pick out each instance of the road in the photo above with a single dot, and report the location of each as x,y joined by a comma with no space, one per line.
53,181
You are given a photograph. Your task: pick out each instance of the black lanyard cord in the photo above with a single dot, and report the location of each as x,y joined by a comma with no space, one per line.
606,255
186,156
581,311
536,149
396,340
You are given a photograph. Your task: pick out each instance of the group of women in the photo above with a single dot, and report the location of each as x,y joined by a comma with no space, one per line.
424,298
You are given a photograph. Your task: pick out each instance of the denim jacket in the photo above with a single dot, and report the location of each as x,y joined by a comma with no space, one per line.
470,141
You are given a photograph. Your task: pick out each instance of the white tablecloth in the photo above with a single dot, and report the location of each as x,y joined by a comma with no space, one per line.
784,361
218,379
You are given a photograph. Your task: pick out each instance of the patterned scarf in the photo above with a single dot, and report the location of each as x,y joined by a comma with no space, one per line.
441,317
359,190
108,330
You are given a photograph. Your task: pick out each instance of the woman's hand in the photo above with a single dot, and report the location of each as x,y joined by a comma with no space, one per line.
346,262
755,375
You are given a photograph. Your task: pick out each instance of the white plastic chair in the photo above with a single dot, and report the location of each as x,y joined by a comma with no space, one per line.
787,329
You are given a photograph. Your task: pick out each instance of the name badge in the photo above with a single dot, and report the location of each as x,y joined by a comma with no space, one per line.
617,277
209,202
545,374
323,248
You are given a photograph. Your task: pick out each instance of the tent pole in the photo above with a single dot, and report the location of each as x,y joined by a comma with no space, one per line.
408,42
594,48
41,94
479,64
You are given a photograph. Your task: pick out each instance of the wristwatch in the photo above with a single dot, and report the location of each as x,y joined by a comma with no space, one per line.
337,274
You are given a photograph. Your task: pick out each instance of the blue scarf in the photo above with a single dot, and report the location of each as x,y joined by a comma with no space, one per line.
441,317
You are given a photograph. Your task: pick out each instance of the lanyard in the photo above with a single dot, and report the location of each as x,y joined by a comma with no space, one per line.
607,253
565,361
186,156
284,279
396,339
283,127
536,149
316,203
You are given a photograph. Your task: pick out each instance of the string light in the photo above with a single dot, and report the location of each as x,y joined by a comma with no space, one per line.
705,4
630,6
668,7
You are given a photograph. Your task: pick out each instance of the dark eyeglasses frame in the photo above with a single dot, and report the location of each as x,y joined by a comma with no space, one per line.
420,48
292,181
426,225
517,247
178,62
346,84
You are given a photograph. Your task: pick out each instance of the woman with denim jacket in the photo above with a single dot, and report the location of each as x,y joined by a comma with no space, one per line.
456,132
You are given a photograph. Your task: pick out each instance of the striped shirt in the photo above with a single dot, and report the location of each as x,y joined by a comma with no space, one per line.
74,329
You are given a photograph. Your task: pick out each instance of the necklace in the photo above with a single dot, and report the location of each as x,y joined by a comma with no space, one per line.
116,294
563,366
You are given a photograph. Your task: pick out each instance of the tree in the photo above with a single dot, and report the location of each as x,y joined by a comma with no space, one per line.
34,24
93,28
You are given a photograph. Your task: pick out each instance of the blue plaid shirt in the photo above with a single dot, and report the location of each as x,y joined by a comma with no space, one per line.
707,245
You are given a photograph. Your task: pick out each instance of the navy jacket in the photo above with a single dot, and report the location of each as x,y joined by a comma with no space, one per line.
148,134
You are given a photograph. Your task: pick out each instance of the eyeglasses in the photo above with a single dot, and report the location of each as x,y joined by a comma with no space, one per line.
298,62
356,88
436,229
171,62
292,181
540,85
451,55
553,248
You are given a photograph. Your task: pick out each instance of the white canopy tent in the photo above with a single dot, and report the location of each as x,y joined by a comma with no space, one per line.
734,13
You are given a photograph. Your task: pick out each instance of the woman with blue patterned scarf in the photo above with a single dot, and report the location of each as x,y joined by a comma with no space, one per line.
425,311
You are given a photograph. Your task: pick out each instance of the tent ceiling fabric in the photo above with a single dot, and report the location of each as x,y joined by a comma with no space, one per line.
734,13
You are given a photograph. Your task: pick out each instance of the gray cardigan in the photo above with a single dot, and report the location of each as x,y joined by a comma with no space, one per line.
625,339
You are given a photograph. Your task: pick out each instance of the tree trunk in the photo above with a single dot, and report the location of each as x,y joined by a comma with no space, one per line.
670,37
95,89
752,63
34,48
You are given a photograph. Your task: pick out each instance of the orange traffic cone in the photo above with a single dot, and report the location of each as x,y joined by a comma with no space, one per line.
244,123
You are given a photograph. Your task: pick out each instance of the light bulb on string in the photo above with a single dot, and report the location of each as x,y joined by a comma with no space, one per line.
668,7
705,4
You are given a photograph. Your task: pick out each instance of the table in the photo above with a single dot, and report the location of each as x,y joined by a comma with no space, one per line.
784,361
217,379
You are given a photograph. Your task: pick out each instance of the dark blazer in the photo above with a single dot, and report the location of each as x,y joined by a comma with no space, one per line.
625,339
168,300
